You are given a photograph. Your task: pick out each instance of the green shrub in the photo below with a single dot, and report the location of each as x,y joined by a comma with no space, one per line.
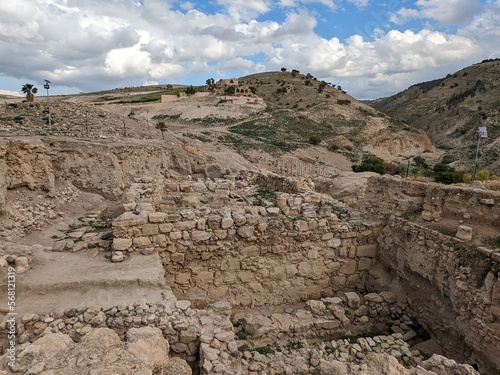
314,140
370,163
447,175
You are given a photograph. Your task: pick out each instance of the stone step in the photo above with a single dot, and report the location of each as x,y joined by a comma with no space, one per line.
60,281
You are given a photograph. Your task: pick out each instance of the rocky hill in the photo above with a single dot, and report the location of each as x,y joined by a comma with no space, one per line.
291,115
451,109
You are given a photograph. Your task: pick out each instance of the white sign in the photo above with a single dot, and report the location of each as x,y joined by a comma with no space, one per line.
482,133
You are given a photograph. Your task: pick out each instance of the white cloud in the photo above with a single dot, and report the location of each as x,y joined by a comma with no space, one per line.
96,44
450,12
9,92
446,12
245,9
485,30
404,15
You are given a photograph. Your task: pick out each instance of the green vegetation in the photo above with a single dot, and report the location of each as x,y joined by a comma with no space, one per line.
30,91
265,350
370,163
198,137
162,127
241,335
294,345
494,243
330,350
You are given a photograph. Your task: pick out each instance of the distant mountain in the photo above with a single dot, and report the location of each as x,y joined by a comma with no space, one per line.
451,110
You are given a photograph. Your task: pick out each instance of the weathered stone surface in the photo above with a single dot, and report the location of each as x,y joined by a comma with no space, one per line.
128,219
148,346
464,233
353,300
121,244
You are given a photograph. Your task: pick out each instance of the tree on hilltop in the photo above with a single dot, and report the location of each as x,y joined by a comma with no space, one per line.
161,126
211,84
30,91
190,90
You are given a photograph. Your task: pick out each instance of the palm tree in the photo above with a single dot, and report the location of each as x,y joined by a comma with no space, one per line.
162,127
29,90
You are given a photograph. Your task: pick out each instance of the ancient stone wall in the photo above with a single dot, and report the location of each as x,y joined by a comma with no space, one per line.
453,287
432,202
283,248
206,338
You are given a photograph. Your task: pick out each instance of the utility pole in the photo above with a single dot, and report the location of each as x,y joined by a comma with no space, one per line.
46,86
482,133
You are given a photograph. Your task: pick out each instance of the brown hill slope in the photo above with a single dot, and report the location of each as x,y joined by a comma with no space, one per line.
451,109
298,117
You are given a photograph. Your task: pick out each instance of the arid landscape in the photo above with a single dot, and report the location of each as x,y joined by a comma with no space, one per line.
152,231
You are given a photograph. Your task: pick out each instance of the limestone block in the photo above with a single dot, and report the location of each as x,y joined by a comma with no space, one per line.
464,233
316,307
175,235
291,270
488,202
185,225
173,218
117,257
165,228
150,229
245,276
245,231
159,238
198,235
349,267
157,217
218,293
201,223
129,219
141,241
304,269
369,251
373,297
353,300
22,264
122,243
172,186
205,279
277,273
273,210
326,236
334,242
427,216
199,186
364,264
301,226
227,223
239,219
214,221
252,323
177,257
183,278
389,297
220,234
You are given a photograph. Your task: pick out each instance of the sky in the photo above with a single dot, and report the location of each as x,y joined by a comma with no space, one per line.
372,48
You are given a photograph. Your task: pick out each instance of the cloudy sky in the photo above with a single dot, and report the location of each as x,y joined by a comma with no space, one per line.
372,48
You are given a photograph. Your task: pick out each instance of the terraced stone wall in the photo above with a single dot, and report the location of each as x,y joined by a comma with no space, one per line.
246,244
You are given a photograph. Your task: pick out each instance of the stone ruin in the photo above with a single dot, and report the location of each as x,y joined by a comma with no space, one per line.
271,277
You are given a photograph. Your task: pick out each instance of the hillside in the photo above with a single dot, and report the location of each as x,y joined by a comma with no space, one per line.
451,109
292,117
